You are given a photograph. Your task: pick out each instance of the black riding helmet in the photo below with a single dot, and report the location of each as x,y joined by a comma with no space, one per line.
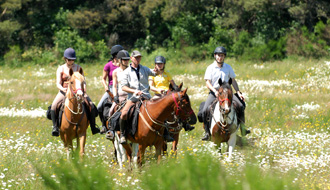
115,49
160,59
123,54
220,49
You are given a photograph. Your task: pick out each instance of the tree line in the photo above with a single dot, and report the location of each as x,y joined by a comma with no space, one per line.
40,30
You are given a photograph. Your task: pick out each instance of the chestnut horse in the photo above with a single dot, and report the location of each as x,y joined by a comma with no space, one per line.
74,119
224,120
151,124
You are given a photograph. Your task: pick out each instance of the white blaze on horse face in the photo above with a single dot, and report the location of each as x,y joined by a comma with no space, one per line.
78,87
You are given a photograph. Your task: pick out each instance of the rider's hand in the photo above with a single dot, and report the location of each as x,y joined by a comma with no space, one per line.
106,88
216,93
138,92
65,89
240,95
161,91
116,99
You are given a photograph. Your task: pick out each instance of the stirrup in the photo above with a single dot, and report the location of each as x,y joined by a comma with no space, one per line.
110,135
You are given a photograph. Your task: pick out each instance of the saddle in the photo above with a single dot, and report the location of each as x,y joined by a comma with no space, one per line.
208,116
131,122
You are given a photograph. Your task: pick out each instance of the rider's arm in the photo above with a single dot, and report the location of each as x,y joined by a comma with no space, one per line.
114,83
104,80
131,90
152,86
59,79
235,85
209,86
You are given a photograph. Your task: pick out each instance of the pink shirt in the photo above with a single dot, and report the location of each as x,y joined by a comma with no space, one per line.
110,68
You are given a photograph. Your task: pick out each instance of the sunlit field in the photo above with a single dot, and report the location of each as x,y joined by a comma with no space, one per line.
287,112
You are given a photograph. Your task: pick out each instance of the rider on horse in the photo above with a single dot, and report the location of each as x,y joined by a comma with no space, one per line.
108,73
135,83
219,69
62,79
160,83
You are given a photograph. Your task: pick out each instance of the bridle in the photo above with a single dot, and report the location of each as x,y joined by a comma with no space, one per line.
80,107
175,114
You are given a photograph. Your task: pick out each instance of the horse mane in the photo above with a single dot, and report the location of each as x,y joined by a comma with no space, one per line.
78,76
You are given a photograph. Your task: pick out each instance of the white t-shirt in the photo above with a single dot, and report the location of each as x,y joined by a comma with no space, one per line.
214,72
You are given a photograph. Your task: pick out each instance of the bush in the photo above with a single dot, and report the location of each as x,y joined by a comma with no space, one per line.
13,57
36,55
85,51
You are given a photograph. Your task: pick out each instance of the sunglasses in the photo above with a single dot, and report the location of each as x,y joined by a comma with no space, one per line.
70,59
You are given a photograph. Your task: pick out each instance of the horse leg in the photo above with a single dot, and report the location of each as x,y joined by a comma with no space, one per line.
121,153
231,145
136,148
82,140
175,144
142,149
158,152
164,148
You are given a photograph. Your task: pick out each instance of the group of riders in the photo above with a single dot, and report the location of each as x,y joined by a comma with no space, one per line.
127,80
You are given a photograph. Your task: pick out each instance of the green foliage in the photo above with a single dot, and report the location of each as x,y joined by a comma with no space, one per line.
302,42
13,57
203,172
74,174
85,51
36,55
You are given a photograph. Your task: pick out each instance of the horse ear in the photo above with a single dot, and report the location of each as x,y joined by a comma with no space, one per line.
81,71
185,91
180,86
230,81
170,87
70,72
220,81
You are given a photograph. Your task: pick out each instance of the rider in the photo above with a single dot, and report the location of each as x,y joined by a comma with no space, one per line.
135,83
108,73
219,69
160,83
62,79
117,75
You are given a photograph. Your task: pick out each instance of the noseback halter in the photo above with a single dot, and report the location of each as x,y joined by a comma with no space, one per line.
178,108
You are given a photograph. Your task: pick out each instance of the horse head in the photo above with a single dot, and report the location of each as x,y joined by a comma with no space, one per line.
76,85
183,107
225,96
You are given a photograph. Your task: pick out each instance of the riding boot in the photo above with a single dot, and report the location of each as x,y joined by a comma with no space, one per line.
94,129
56,130
207,133
187,127
241,121
103,121
167,136
122,131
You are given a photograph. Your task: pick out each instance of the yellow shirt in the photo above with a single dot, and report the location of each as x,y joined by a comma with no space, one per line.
161,81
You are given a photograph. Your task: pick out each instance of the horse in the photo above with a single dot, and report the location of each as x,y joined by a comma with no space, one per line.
74,119
224,124
152,118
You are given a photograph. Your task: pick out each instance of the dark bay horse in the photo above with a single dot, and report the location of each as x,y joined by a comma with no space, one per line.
151,124
74,119
224,120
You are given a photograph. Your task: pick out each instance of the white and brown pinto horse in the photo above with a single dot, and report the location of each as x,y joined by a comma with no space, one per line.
74,119
224,120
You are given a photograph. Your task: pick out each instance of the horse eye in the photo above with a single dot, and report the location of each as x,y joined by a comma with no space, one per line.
71,82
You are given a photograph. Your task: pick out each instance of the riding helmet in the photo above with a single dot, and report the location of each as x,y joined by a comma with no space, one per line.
220,49
123,54
160,59
70,53
115,49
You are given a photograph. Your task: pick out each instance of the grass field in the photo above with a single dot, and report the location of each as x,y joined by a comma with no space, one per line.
287,112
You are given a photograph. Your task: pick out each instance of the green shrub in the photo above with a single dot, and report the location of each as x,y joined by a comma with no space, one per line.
13,57
205,172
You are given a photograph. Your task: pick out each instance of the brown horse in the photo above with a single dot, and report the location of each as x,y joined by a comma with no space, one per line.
152,117
74,119
224,120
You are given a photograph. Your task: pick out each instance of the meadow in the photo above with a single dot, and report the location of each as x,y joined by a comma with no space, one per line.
287,112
